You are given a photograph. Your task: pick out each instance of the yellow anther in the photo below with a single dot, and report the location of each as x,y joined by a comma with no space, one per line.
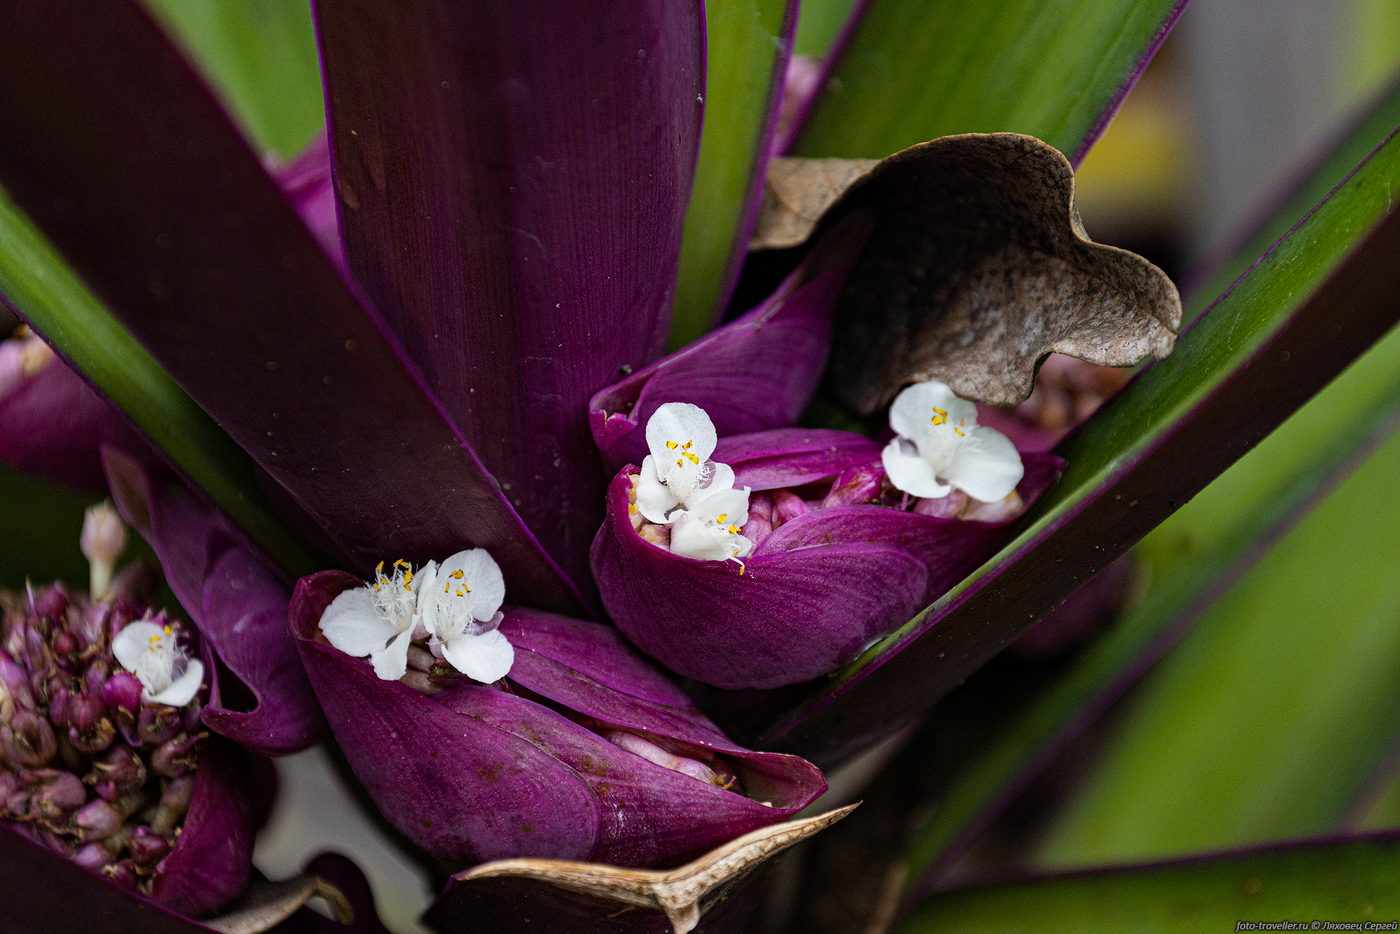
721,517
463,590
167,630
940,416
379,568
446,588
686,446
457,574
733,530
671,445
692,458
631,509
679,462
155,640
960,432
401,563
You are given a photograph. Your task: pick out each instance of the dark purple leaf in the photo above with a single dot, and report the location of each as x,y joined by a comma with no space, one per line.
175,223
505,776
803,603
238,604
51,422
515,209
755,373
212,858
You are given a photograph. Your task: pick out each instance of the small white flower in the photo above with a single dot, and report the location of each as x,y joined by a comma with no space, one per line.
151,652
459,606
939,447
710,528
378,620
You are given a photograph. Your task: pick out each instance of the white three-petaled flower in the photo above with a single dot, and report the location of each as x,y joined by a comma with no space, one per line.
151,652
940,446
454,605
681,487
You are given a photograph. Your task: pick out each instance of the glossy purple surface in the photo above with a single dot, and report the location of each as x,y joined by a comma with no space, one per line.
179,228
755,373
514,208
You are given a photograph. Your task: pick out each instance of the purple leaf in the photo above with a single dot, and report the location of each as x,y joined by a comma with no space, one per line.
212,857
237,603
755,373
515,209
802,603
477,773
178,227
51,422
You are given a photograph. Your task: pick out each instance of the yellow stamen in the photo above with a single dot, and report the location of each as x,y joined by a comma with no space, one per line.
401,563
721,517
631,509
457,575
671,445
687,445
379,568
940,416
960,433
733,530
692,458
679,462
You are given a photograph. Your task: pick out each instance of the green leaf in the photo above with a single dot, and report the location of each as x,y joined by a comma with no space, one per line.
1303,312
1372,127
819,23
38,283
1209,540
1269,719
1226,528
1349,881
260,55
746,42
1017,65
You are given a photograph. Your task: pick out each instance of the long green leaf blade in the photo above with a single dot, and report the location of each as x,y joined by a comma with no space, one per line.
260,55
1268,720
1016,65
1185,560
1303,313
1193,555
37,281
747,43
1350,880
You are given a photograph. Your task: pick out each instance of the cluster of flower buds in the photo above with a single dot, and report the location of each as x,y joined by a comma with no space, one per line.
97,751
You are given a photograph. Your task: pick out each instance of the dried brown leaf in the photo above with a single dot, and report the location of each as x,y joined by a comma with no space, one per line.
612,893
797,193
267,904
975,267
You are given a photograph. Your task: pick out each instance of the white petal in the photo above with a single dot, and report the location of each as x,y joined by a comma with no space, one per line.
654,498
485,658
909,414
693,538
391,661
134,641
721,479
910,472
183,689
986,466
680,423
482,574
732,504
352,624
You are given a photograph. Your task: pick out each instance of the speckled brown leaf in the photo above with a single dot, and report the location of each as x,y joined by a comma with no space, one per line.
975,268
795,195
594,897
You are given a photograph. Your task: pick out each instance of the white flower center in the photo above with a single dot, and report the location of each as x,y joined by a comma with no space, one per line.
152,652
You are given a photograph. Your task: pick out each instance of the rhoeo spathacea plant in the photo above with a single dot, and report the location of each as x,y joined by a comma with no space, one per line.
435,467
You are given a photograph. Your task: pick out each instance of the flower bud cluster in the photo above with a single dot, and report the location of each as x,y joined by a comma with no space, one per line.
86,765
